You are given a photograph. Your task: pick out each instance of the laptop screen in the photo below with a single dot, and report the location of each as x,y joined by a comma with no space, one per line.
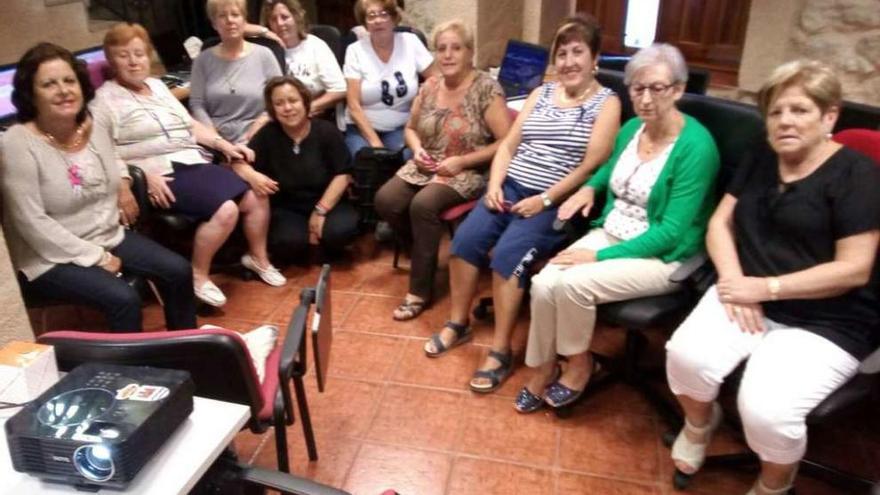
522,69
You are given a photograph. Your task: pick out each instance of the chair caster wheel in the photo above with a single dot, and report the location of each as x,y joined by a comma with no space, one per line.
680,481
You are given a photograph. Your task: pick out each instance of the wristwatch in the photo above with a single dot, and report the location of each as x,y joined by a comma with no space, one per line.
264,31
320,210
773,287
545,198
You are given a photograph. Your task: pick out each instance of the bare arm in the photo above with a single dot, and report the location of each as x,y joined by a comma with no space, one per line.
327,100
334,191
353,99
498,120
720,242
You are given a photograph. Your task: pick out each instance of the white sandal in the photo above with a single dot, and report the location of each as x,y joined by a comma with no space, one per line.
759,488
694,454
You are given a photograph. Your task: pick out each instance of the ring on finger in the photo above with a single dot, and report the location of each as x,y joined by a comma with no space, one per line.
737,310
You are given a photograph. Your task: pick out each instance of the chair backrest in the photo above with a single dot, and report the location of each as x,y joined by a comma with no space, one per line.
271,44
216,359
613,79
330,35
322,327
863,140
736,128
857,116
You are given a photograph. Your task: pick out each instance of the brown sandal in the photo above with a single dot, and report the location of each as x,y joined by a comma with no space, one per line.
409,310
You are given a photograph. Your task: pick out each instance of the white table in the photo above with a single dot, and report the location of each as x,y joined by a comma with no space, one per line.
175,468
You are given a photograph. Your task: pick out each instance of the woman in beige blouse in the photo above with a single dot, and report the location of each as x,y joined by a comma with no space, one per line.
457,121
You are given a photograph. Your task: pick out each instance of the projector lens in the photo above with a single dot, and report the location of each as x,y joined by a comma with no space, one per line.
94,462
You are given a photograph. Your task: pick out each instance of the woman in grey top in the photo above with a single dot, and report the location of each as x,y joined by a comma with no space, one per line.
227,80
59,183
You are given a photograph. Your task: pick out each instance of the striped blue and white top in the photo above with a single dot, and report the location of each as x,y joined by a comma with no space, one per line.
554,139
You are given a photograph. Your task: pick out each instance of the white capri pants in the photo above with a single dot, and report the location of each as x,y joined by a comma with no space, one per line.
789,372
564,299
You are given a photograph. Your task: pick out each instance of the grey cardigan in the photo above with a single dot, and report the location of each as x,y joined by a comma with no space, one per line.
44,221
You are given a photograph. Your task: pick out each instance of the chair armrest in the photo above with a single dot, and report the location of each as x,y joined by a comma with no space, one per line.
139,188
285,483
293,341
696,271
871,364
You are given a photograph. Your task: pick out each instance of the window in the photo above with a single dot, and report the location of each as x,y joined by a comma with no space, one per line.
641,23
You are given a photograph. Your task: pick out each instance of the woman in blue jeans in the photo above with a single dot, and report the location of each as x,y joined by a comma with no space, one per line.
60,181
565,130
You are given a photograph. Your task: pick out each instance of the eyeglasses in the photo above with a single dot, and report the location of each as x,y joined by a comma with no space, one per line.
382,14
401,89
656,89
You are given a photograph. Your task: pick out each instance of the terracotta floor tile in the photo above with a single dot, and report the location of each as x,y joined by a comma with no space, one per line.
575,484
452,370
247,444
335,456
483,477
364,356
345,408
386,281
418,417
493,428
408,471
255,300
619,445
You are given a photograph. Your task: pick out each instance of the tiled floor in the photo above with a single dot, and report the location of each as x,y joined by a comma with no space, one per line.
391,418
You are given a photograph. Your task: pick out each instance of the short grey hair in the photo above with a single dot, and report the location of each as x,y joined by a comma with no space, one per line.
658,53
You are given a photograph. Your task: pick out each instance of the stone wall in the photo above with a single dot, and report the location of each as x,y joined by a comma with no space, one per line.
843,33
14,323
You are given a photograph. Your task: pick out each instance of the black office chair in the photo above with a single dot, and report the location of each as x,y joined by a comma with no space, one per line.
734,126
220,365
372,167
271,44
330,35
698,78
845,399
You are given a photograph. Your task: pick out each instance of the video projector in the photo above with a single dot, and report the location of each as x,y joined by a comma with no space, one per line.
99,425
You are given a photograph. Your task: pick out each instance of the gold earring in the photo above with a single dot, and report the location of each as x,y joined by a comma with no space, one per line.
595,70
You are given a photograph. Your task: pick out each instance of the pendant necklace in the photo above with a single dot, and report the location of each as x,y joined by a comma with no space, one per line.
295,148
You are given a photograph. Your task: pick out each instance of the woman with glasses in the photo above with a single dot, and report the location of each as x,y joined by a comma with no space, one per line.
153,131
658,193
565,131
309,59
382,72
59,182
794,241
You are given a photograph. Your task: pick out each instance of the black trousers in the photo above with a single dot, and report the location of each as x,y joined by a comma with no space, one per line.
93,286
289,230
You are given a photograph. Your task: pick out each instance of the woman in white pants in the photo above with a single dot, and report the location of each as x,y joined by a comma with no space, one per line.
794,242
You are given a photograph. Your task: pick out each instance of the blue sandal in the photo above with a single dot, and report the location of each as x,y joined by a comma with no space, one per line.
497,375
463,334
558,395
527,402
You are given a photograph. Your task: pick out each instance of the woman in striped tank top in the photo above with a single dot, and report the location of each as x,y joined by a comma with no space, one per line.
565,130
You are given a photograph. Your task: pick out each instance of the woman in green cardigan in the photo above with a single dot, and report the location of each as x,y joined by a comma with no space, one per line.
659,184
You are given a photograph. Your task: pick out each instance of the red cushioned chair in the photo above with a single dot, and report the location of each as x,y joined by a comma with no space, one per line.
220,365
864,140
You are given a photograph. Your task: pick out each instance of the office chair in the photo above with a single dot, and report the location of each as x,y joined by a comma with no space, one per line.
271,44
220,365
865,141
734,126
844,399
330,35
371,168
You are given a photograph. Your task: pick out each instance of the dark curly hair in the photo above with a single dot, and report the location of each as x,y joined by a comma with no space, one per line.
26,70
277,81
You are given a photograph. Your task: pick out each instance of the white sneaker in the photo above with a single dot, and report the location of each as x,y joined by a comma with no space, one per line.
260,343
270,274
210,294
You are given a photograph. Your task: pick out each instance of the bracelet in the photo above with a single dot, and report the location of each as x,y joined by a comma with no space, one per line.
105,258
320,209
774,286
216,139
264,31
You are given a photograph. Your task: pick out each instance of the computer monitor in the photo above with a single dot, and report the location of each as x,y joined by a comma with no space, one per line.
93,57
522,69
7,111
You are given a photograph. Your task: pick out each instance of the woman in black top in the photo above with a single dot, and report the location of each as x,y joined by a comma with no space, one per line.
794,241
304,165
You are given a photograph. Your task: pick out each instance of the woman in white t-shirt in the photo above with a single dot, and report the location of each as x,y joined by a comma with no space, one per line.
382,72
309,59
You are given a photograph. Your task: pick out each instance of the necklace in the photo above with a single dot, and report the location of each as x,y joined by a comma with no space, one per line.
297,139
77,138
230,79
564,98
